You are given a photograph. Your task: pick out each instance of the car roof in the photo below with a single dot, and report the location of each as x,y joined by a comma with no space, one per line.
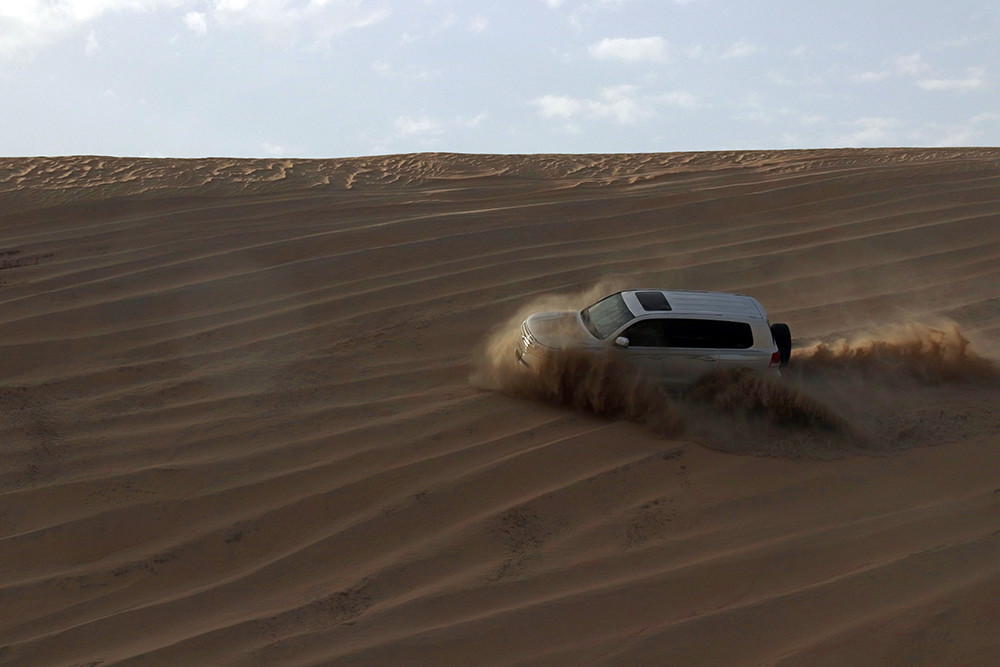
689,302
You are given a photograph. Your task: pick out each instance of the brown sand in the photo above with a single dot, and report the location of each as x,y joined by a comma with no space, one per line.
253,413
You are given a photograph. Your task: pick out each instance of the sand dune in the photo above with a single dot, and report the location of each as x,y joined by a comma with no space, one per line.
257,412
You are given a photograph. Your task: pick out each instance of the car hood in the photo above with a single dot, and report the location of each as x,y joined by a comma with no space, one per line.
558,329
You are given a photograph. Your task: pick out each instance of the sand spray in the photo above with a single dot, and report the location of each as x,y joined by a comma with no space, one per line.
882,389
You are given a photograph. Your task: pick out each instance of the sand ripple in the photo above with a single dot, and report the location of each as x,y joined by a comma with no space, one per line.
237,425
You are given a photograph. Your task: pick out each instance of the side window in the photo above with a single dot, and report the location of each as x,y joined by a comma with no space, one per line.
709,334
647,333
712,334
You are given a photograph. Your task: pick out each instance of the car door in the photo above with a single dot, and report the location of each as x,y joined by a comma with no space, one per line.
644,349
649,346
710,344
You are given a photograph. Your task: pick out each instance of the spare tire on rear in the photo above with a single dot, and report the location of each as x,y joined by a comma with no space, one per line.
783,339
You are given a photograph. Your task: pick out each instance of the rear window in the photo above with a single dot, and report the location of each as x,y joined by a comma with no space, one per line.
606,316
716,334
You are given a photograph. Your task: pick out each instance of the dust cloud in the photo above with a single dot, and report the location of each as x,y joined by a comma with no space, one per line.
926,353
891,388
494,364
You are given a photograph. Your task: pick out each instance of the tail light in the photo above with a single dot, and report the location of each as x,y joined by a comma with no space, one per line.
775,360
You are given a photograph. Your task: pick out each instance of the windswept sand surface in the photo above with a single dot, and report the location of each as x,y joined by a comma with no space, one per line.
261,413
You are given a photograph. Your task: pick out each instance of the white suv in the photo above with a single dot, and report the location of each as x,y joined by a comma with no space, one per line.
676,335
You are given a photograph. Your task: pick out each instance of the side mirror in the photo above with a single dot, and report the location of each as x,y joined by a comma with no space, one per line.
621,341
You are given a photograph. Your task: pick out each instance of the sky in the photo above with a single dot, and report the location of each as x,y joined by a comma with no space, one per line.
342,78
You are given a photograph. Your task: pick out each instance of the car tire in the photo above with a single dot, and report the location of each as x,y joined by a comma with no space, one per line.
783,339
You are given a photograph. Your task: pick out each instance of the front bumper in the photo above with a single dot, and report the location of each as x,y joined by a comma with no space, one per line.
528,351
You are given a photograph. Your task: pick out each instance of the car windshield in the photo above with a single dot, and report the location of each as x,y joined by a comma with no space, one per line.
606,316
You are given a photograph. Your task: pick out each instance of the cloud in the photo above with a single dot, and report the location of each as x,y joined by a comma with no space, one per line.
813,119
92,46
424,132
911,65
621,104
322,19
408,126
275,150
478,24
196,22
681,99
753,108
957,137
968,133
408,72
782,79
872,132
870,77
28,25
428,126
974,81
740,49
914,66
475,121
650,49
559,106
986,117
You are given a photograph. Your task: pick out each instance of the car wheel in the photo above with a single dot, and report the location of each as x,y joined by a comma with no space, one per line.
783,339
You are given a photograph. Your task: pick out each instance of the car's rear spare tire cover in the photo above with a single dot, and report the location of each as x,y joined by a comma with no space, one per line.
783,339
